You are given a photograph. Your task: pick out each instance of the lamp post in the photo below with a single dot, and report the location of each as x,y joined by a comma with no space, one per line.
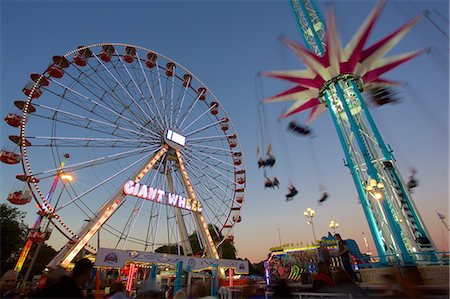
309,213
333,225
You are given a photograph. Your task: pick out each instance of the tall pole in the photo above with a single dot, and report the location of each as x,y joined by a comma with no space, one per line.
279,235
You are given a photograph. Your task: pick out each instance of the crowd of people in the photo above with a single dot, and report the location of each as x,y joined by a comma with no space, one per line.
60,284
57,283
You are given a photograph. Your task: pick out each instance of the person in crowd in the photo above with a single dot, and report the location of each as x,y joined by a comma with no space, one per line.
200,290
8,284
324,255
117,291
180,294
322,281
344,253
346,285
282,290
69,286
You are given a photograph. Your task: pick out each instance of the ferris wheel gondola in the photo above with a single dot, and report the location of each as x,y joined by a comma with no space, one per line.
155,158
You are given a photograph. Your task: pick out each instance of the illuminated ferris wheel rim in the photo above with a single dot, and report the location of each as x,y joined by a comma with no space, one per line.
171,141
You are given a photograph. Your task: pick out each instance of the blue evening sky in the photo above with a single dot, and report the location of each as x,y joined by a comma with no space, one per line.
225,44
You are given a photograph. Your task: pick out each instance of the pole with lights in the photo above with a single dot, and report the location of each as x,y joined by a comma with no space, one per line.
333,225
309,213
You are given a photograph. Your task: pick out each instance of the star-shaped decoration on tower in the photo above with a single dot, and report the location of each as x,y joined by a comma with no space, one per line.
366,62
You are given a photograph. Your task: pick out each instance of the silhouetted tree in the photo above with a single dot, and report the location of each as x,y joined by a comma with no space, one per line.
13,235
46,253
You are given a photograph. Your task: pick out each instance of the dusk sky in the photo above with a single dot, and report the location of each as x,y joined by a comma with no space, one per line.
226,44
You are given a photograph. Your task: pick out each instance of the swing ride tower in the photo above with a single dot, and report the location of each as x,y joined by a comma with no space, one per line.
335,80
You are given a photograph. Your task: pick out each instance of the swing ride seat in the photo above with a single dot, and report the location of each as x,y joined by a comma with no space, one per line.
261,163
270,161
292,192
299,129
381,96
412,183
323,198
276,183
268,184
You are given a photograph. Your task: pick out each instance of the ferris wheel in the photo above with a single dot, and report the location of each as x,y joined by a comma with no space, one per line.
153,159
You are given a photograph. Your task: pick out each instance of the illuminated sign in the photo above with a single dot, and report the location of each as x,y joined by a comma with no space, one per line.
175,137
160,196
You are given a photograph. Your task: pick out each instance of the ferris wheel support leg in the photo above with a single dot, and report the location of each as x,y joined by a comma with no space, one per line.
200,222
69,251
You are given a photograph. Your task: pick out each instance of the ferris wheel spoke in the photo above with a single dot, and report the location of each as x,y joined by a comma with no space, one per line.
191,107
159,119
149,232
206,139
110,91
129,74
101,141
171,98
199,241
203,128
91,120
92,162
124,235
158,74
208,189
156,115
214,168
216,165
78,125
193,151
152,222
180,219
218,211
181,103
107,179
133,218
123,88
96,103
105,88
192,158
140,92
217,149
200,116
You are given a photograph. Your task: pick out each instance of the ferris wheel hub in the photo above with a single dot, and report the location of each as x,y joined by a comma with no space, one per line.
174,138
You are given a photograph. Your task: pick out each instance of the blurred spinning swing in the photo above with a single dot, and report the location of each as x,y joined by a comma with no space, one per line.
268,161
292,190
